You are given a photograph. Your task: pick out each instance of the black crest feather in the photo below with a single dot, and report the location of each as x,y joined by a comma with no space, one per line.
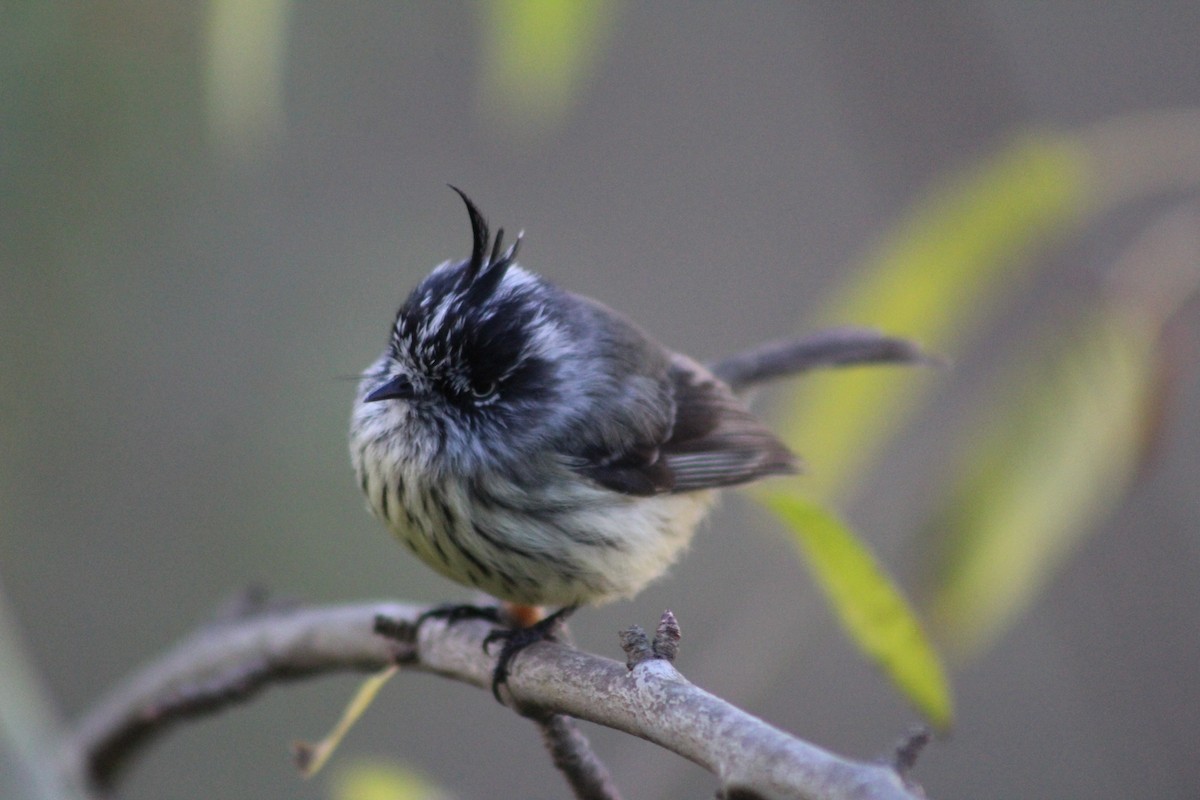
484,273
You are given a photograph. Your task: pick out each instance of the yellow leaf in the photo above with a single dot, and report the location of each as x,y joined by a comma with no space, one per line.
870,606
311,757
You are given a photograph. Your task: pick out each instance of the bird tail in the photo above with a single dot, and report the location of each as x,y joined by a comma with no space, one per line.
835,347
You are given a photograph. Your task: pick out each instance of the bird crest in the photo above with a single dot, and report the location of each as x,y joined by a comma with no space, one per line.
484,272
431,328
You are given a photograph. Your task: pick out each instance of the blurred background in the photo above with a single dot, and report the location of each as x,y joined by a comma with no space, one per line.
210,211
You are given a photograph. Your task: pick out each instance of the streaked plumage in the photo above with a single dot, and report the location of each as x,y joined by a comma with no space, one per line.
537,445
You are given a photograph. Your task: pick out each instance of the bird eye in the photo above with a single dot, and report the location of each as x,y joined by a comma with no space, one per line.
483,391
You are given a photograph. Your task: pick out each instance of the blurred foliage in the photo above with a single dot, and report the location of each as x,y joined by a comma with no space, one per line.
536,56
244,72
1060,442
869,605
1053,446
383,780
934,279
930,280
1052,454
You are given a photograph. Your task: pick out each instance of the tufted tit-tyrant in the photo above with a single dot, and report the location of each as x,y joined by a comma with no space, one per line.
539,446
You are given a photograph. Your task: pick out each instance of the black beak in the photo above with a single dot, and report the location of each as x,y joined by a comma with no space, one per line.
398,388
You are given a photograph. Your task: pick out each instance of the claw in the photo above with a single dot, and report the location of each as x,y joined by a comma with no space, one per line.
407,632
452,614
517,639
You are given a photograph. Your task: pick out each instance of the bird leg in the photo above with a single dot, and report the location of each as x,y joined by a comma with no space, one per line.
524,625
516,639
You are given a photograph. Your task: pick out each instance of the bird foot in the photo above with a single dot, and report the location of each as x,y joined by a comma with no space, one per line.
405,631
453,613
514,638
517,639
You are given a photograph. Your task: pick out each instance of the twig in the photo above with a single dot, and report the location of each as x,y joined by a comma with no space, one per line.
575,759
222,665
569,749
571,752
909,749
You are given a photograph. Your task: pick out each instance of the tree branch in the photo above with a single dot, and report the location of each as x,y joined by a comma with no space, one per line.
228,663
220,665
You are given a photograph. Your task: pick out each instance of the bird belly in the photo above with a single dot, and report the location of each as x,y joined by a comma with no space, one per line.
534,546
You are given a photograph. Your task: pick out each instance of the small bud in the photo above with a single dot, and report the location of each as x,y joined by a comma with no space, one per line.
666,637
636,645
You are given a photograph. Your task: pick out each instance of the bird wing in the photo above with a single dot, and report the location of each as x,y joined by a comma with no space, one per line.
713,441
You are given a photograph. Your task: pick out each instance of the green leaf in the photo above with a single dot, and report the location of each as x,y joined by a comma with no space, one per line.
870,607
1056,453
538,54
938,274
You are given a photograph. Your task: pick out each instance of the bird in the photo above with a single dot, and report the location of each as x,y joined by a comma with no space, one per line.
536,445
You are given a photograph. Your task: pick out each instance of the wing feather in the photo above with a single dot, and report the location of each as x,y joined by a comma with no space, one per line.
713,441
716,441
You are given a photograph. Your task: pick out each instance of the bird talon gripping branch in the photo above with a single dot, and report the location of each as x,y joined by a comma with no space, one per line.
517,639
